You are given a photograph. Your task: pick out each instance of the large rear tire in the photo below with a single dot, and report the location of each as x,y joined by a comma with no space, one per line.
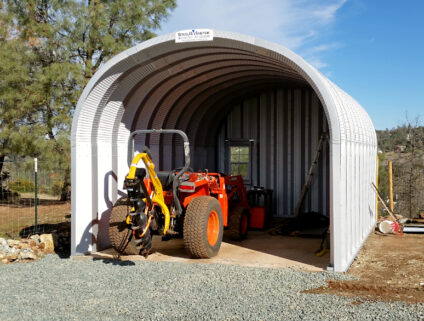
238,225
203,227
120,235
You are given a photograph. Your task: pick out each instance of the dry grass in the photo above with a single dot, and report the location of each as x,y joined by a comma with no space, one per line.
16,217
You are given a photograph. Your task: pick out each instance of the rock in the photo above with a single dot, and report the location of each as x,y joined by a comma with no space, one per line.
47,239
27,255
23,246
35,238
25,249
13,256
5,248
37,251
12,250
13,242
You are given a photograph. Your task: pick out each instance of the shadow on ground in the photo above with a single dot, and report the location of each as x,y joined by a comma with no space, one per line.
115,261
61,236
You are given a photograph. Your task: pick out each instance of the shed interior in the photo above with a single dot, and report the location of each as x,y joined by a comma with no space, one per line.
230,99
269,135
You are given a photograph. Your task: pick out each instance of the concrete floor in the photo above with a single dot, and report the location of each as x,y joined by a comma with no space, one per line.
260,249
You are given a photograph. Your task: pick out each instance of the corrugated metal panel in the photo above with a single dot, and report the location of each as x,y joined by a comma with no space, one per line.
286,137
114,102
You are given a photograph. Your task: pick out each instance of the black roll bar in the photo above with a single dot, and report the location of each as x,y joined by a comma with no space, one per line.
186,156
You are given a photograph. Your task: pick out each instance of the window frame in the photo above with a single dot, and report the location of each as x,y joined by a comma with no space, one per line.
241,143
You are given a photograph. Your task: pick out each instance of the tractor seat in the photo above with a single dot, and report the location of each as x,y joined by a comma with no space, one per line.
166,179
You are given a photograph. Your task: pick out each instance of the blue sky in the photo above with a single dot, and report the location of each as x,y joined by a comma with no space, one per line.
374,50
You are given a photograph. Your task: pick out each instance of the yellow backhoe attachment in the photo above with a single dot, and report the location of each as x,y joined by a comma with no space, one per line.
157,185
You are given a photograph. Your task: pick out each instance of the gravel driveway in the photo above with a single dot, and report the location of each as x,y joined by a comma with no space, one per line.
66,289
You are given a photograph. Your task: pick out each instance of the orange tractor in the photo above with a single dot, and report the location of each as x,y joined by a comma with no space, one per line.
180,203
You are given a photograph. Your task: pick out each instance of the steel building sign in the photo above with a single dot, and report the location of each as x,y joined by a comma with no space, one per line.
194,35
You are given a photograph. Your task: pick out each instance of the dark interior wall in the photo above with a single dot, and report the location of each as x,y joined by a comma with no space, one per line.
283,127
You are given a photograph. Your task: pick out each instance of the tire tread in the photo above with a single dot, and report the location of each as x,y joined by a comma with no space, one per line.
120,236
195,220
234,224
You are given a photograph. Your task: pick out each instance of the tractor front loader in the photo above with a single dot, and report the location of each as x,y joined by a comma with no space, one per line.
180,203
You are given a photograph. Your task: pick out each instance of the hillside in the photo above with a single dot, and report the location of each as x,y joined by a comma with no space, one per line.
404,146
401,139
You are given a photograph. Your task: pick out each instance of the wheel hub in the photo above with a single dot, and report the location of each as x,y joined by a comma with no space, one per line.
213,228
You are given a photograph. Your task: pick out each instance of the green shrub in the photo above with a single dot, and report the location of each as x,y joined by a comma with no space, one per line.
22,185
56,189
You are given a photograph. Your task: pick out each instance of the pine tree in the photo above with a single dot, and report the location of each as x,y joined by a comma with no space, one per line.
15,58
52,48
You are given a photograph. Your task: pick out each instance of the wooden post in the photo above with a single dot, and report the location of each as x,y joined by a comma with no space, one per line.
390,186
384,204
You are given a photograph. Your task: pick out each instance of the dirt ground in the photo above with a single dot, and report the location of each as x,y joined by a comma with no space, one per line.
16,217
389,267
260,249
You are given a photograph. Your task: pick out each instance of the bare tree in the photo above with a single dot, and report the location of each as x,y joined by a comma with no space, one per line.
409,172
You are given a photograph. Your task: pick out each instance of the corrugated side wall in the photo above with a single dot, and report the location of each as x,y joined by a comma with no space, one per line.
284,126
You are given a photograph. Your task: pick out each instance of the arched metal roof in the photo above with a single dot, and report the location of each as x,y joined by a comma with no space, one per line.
163,84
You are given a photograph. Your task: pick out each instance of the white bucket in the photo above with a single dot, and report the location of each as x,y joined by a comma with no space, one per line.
386,227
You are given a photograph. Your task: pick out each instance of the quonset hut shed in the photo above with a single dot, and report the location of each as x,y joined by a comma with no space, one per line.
228,90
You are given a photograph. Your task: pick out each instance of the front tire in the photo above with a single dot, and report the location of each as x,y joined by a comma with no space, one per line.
203,227
238,225
120,235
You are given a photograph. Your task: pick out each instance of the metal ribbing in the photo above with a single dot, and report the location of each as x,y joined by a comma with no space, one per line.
110,103
285,139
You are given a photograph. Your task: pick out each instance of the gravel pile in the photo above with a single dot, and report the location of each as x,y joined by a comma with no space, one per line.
67,289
